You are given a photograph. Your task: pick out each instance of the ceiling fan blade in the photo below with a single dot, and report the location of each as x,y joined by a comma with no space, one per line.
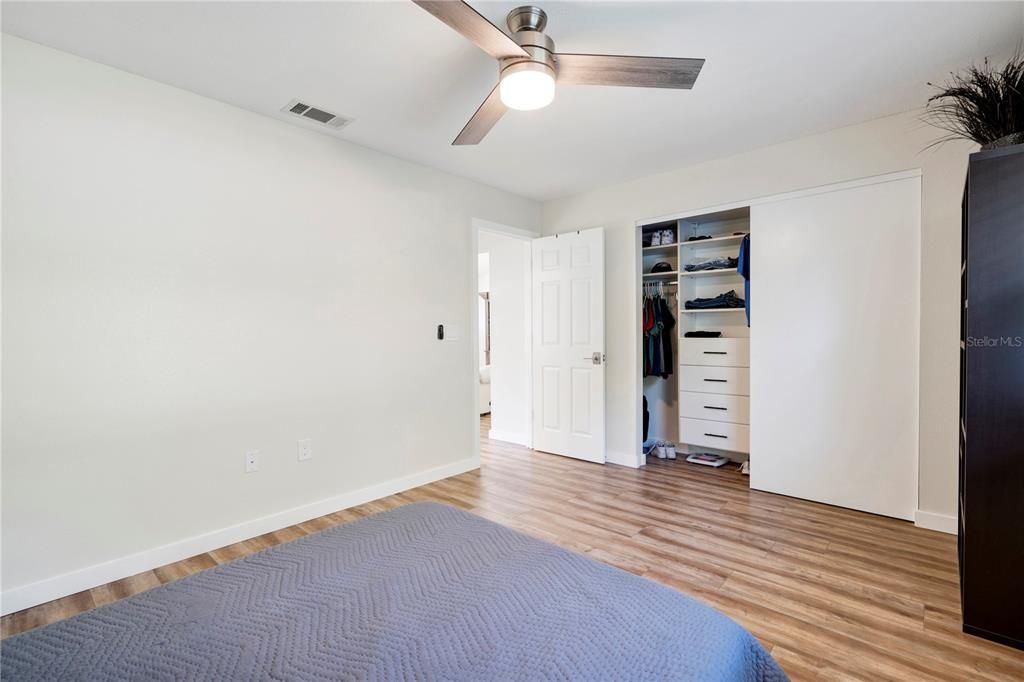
483,120
474,27
641,72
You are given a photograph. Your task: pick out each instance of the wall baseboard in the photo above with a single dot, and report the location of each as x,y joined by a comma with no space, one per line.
626,459
932,521
510,437
25,596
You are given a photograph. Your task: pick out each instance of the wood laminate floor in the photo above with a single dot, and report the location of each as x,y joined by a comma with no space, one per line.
832,593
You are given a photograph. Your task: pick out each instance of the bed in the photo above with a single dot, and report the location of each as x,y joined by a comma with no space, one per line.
420,592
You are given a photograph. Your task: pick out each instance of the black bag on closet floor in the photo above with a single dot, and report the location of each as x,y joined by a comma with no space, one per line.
647,419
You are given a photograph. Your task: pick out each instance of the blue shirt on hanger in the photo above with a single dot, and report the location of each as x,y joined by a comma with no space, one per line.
743,266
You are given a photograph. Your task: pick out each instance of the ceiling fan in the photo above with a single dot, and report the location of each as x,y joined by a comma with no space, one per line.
528,65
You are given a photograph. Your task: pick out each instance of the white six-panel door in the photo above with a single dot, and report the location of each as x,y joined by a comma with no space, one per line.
568,345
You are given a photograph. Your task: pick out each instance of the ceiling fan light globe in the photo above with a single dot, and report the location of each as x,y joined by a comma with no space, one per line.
526,89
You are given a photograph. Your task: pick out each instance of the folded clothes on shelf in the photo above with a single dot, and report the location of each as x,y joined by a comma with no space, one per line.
727,300
722,263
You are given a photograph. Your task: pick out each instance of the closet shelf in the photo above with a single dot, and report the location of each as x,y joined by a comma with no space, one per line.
658,276
715,240
712,310
708,273
662,248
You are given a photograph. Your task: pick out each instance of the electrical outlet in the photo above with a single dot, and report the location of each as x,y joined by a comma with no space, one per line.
305,449
252,462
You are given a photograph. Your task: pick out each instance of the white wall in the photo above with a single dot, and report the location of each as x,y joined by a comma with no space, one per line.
483,279
483,273
510,282
184,281
881,146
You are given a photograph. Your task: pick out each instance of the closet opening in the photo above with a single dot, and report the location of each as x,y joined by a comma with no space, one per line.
695,339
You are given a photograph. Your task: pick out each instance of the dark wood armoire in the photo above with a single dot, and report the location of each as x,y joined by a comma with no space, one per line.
991,505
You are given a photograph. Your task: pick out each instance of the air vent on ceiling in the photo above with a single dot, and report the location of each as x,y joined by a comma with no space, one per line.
304,110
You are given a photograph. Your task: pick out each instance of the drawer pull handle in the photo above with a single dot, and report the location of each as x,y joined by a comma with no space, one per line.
712,407
715,435
716,352
720,381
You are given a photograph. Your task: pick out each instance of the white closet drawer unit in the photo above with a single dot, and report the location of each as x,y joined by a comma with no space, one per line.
720,435
730,380
718,352
715,407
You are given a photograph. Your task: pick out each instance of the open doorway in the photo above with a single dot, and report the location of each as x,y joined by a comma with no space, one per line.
483,316
503,330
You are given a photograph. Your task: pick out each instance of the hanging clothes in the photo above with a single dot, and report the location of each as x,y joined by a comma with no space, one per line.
668,323
654,340
658,323
648,325
743,267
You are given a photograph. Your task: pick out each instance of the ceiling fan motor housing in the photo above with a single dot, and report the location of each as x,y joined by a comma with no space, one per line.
527,24
526,18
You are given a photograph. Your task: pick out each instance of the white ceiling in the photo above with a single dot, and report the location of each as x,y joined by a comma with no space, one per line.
774,71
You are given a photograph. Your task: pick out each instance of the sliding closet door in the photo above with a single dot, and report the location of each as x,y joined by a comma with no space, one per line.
835,280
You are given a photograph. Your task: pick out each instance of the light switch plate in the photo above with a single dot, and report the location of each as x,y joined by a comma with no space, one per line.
252,461
304,449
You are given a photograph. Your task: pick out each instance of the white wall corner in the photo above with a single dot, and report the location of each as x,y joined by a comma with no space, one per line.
626,459
33,594
943,523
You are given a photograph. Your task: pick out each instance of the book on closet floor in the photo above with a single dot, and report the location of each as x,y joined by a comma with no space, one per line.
707,459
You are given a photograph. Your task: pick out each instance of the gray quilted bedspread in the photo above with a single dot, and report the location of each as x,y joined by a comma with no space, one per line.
421,592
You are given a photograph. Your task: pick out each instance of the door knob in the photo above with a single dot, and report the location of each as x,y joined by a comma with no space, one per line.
597,358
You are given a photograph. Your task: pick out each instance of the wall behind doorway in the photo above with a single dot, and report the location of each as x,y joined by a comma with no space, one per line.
510,282
483,286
